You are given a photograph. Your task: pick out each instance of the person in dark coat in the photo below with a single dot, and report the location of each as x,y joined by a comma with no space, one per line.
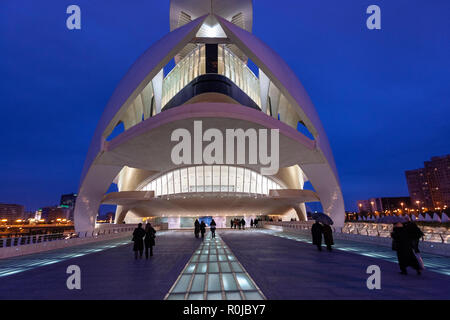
138,239
255,222
196,228
404,247
203,229
243,223
149,240
213,228
414,233
328,236
251,223
316,231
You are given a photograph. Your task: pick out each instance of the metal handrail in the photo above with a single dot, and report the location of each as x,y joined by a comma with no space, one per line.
41,238
381,230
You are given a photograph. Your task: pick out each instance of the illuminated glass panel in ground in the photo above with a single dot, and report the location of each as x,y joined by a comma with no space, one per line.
213,273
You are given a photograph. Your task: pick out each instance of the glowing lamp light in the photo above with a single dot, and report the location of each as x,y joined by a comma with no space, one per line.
213,32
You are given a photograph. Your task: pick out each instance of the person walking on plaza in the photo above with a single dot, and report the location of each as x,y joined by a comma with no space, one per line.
196,228
243,223
255,222
203,229
316,231
327,236
138,239
414,234
149,240
251,223
213,228
404,247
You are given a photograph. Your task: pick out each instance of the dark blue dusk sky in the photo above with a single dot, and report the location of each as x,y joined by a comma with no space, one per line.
383,96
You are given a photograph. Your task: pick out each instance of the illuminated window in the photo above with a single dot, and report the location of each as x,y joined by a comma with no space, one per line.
211,179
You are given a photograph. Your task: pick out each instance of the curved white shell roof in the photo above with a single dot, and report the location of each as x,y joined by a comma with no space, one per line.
241,10
97,176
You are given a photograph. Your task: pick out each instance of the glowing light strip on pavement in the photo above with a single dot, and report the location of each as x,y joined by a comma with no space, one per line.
213,273
435,263
10,266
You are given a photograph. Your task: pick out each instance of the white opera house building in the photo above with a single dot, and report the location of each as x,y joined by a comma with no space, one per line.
210,88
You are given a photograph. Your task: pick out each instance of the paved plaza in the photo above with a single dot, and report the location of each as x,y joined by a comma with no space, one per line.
280,265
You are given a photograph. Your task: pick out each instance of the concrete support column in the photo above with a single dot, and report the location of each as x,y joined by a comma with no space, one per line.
121,213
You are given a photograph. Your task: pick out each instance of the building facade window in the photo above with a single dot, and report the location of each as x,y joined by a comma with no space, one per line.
211,179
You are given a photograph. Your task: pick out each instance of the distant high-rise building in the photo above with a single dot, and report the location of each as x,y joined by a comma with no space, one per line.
418,187
68,201
384,204
52,214
11,212
429,187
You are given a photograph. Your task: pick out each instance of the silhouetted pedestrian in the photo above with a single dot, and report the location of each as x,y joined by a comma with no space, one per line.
405,251
138,239
213,228
316,231
203,229
251,223
196,228
149,240
243,223
328,236
414,234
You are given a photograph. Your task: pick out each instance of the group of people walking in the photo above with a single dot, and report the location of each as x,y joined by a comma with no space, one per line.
143,239
200,228
237,223
405,240
240,223
318,229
